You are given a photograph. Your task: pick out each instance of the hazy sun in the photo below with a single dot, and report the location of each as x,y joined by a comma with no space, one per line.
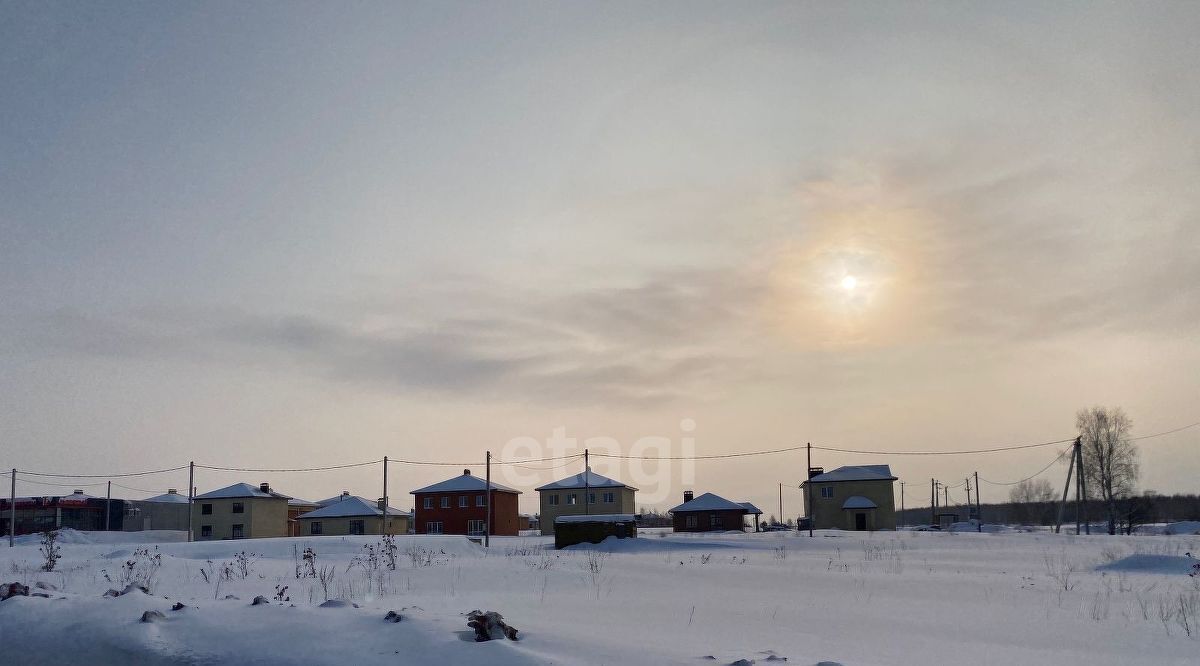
849,283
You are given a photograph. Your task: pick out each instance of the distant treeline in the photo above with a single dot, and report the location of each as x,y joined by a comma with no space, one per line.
1132,511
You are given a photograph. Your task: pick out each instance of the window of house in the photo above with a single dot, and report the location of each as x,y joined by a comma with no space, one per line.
610,498
572,499
554,500
238,507
206,509
591,498
239,531
479,500
433,527
474,527
462,501
714,520
206,531
315,527
358,527
826,492
445,502
428,502
690,521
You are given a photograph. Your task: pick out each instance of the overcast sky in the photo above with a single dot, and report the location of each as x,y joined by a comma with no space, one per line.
306,234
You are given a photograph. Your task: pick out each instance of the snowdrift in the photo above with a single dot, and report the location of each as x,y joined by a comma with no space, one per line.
1158,564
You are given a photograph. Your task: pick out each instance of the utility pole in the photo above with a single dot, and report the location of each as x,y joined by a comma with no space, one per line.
901,504
191,494
781,503
107,511
946,490
969,504
12,510
1079,487
587,484
808,491
932,502
1066,489
1087,527
386,528
487,523
978,506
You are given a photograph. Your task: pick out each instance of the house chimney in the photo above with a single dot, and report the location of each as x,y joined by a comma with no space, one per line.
381,504
265,487
687,496
345,494
815,471
466,472
78,491
172,491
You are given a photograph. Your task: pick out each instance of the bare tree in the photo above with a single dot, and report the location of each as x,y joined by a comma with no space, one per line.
1032,490
1031,501
1110,464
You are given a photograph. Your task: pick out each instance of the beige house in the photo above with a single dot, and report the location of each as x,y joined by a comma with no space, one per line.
852,498
240,511
350,514
565,497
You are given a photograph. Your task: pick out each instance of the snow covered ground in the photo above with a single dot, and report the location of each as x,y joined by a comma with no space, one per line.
884,598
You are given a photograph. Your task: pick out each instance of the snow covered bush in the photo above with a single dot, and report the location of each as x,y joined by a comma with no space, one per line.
388,550
593,568
50,550
141,569
245,564
306,564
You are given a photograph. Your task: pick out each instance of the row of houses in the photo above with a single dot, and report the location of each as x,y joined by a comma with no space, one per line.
855,498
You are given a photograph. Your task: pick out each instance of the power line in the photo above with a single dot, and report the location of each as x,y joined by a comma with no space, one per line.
1034,475
295,469
1167,432
947,453
709,457
104,476
568,463
401,461
140,490
59,485
572,456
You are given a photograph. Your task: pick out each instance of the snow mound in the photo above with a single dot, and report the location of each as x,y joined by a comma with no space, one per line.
1183,527
1160,564
75,537
650,545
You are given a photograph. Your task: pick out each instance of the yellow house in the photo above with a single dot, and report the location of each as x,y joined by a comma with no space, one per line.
852,498
240,511
565,497
351,514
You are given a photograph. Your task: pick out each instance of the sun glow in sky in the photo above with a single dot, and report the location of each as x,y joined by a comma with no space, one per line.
849,283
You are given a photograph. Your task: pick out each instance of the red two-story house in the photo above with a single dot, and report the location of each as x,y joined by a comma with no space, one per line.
458,506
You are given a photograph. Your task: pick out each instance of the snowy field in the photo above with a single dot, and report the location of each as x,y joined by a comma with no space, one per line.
855,599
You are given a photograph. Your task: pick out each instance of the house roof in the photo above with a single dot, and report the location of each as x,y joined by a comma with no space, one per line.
463,482
598,518
240,490
300,502
593,479
168,498
750,508
708,502
351,505
856,473
859,502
